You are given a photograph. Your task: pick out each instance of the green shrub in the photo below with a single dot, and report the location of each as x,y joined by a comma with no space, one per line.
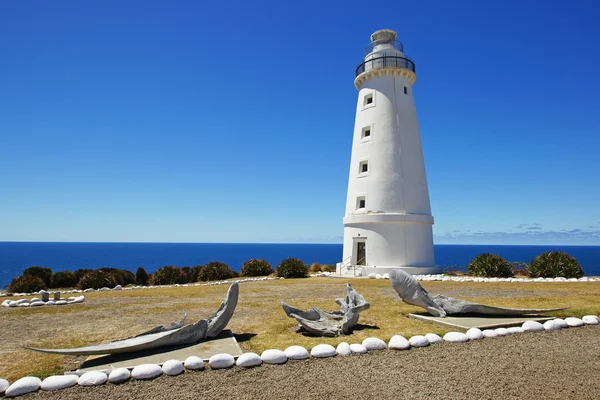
168,275
292,268
194,274
256,267
142,277
216,271
326,268
63,279
315,267
26,284
553,264
122,276
489,265
44,274
97,280
80,273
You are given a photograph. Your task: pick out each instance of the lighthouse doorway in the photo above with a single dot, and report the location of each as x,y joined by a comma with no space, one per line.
360,253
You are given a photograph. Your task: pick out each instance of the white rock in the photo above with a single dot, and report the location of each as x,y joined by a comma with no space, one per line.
22,301
23,305
34,299
378,276
322,351
50,303
296,353
590,320
515,329
397,342
273,356
372,275
343,349
118,287
373,343
24,385
561,322
37,303
93,378
418,341
475,334
358,348
456,337
172,367
221,360
433,338
489,333
194,363
551,325
60,302
532,326
502,331
119,375
59,382
386,276
248,360
89,290
571,321
146,371
3,385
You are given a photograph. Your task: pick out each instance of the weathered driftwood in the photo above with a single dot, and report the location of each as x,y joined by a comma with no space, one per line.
170,335
323,323
411,292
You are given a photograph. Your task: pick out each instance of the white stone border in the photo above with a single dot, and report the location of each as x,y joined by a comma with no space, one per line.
277,357
465,278
36,302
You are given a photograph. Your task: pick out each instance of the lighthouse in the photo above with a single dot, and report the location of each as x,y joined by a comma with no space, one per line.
388,221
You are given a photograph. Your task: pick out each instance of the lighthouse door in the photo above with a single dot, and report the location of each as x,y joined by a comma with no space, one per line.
361,253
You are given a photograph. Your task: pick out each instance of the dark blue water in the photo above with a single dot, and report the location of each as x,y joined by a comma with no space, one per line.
16,256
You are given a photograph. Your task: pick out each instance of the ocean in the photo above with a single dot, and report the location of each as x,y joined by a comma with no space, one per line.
16,256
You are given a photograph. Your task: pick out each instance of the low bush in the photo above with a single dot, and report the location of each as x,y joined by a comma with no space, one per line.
490,265
26,284
63,279
80,273
122,276
327,268
315,267
216,271
256,267
194,275
292,268
168,275
97,280
553,264
44,274
142,277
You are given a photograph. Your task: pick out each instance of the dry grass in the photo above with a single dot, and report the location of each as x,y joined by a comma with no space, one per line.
259,320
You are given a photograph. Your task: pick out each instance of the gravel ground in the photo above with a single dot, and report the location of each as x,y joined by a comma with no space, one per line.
546,365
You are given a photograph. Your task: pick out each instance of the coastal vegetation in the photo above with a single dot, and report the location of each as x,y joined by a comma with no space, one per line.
292,268
256,267
488,264
553,264
546,265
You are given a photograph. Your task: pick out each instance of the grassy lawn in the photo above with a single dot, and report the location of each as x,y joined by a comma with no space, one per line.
258,320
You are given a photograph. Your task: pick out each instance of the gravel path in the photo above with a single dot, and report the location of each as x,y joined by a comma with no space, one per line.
546,365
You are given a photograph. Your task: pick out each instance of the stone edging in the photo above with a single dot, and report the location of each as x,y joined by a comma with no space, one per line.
273,356
447,278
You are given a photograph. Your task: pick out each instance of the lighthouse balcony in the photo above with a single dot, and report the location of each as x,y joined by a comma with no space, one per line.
386,62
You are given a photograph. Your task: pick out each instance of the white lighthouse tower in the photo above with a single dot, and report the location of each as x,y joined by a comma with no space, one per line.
388,222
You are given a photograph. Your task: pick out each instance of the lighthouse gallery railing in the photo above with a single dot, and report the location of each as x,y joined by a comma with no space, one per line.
386,62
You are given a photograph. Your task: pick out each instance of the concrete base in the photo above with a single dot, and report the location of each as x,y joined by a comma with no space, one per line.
467,322
411,270
224,343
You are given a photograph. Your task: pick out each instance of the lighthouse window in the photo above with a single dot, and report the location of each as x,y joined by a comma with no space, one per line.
366,133
363,167
405,89
361,202
368,99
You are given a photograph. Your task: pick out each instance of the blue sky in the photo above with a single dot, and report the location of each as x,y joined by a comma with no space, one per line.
197,121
